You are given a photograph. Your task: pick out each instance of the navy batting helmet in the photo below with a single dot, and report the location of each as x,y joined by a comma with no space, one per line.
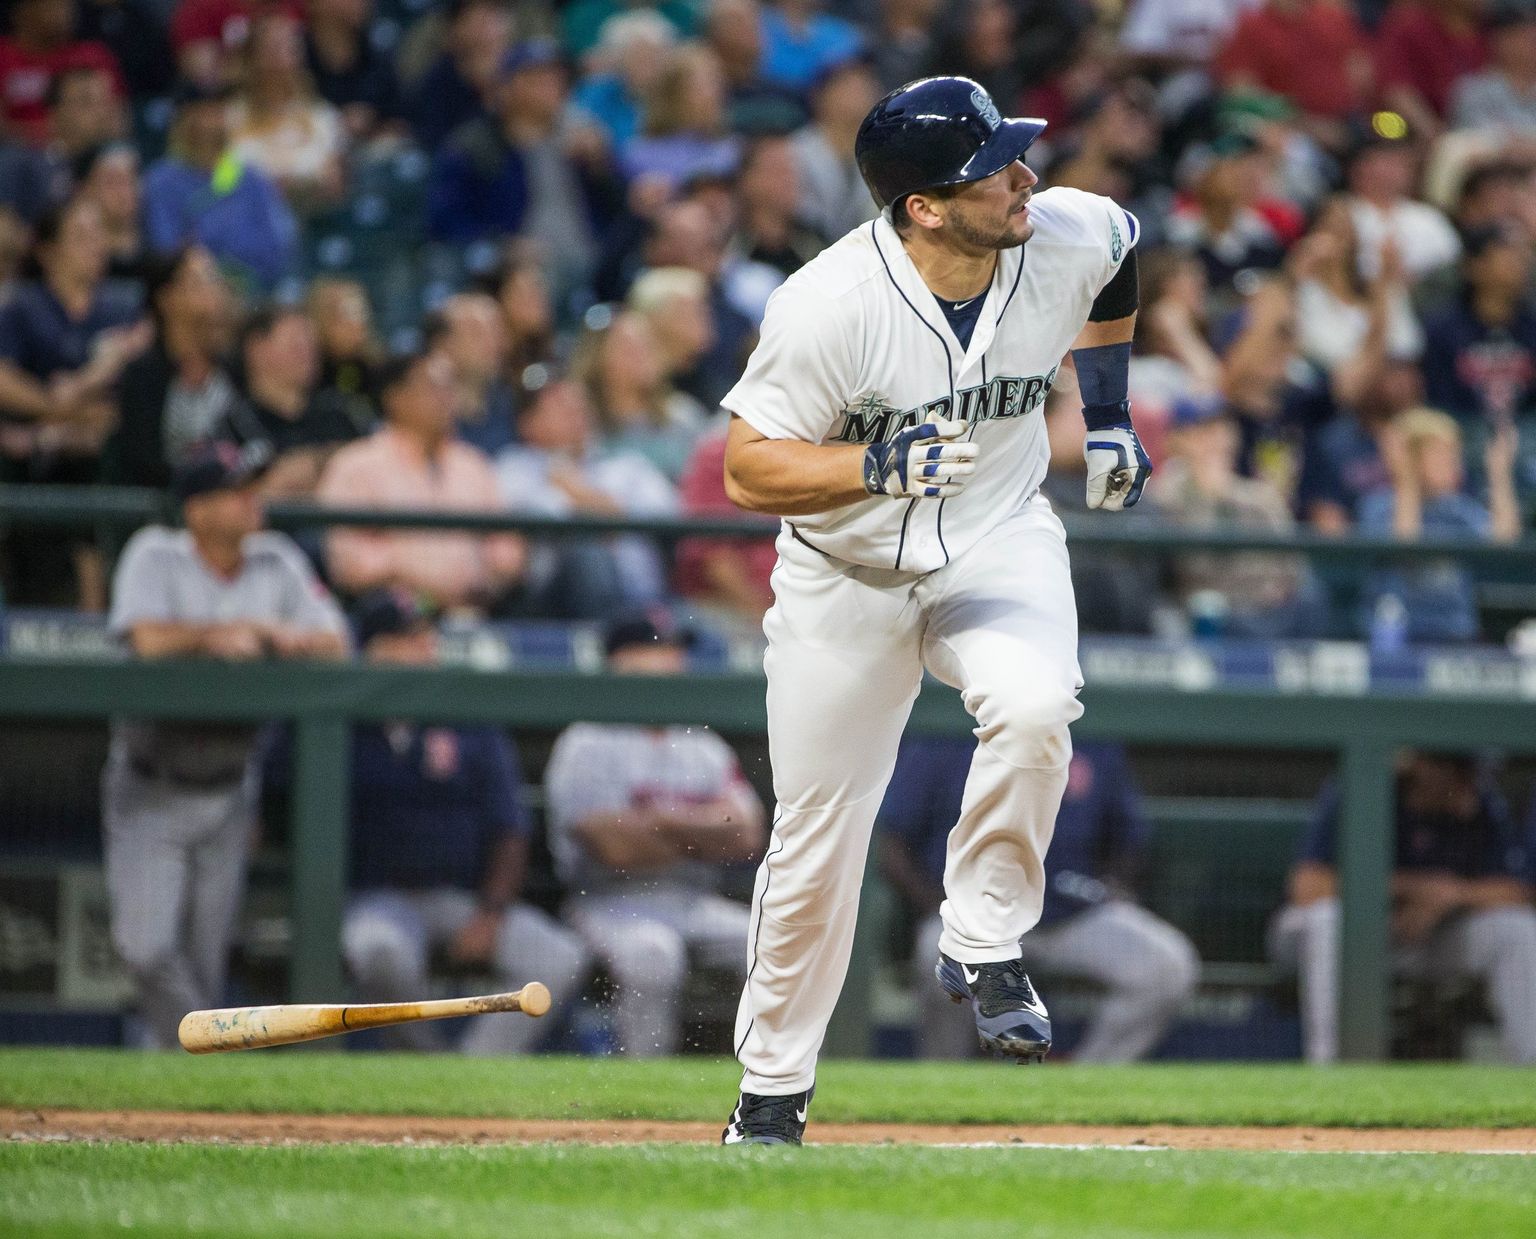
937,131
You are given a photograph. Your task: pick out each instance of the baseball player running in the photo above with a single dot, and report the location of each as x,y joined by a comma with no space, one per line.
891,415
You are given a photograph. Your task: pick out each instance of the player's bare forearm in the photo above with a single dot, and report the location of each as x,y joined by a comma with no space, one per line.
787,477
1114,331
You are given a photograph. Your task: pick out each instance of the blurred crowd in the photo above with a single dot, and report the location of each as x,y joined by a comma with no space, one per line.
509,255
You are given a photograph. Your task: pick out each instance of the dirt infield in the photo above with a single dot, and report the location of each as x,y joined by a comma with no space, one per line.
182,1126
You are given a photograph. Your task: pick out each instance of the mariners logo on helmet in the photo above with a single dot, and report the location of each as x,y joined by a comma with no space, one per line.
937,131
985,108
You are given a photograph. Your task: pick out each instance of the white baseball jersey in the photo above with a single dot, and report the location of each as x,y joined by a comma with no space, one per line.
855,348
607,768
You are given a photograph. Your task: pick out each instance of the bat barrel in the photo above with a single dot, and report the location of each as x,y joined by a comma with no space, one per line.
249,1028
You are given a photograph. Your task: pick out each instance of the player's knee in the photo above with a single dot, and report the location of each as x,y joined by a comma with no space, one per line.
1179,965
377,950
144,954
1026,725
649,956
1511,930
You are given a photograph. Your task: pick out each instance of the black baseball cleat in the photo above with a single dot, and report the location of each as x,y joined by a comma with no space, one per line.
768,1120
1010,1018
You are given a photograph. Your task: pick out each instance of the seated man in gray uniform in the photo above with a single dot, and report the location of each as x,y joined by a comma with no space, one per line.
179,800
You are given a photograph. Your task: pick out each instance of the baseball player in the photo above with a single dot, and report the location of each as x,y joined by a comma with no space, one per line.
891,414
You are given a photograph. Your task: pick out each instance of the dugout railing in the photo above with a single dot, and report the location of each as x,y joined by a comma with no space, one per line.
1363,723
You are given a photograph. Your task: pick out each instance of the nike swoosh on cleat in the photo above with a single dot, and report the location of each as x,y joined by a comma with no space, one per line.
800,1114
1037,1008
970,977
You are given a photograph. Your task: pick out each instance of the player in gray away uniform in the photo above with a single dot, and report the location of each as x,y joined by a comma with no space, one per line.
891,414
179,800
638,819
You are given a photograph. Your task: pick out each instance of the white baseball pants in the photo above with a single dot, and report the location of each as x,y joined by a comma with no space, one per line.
847,646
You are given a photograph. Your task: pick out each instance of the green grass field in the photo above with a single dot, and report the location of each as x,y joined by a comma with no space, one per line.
349,1192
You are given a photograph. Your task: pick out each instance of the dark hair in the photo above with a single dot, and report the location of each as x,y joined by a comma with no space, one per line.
397,369
47,230
55,90
261,322
1479,178
435,328
159,272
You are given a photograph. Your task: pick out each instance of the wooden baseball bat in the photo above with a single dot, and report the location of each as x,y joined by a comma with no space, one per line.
251,1028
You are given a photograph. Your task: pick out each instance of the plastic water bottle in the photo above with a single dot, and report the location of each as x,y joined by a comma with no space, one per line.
1389,625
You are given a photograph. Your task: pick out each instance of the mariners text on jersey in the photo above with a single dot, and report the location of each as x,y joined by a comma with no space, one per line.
854,348
872,420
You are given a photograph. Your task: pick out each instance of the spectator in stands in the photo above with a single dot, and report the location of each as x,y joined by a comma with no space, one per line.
638,411
1174,35
1220,219
414,461
1266,594
209,36
769,229
109,176
1311,51
521,172
683,133
1259,360
279,124
134,31
833,198
1115,591
281,404
1502,98
1422,49
1090,926
1497,192
65,336
639,819
1423,455
1480,358
84,112
675,303
557,468
1343,461
1114,151
173,397
439,852
527,317
1380,173
470,331
1348,326
799,42
632,53
705,335
582,22
350,354
42,44
349,72
725,580
901,40
179,800
981,39
734,32
457,88
202,192
1462,885
1172,357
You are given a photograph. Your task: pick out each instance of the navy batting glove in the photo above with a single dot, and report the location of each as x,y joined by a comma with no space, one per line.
1118,466
926,461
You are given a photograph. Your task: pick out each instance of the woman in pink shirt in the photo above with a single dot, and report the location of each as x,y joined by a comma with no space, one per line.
414,461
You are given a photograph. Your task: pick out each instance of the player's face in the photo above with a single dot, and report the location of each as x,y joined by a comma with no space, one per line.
993,213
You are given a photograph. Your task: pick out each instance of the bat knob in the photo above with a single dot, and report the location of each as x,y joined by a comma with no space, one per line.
535,998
